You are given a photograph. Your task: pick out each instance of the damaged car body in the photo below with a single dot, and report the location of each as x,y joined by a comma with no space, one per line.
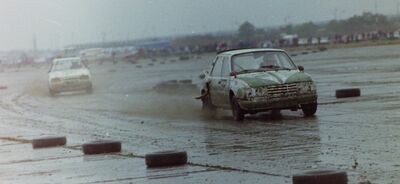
249,81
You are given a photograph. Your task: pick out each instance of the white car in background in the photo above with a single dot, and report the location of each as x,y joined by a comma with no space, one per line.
69,74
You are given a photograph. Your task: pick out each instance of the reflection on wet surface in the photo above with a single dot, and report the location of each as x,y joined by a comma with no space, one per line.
136,106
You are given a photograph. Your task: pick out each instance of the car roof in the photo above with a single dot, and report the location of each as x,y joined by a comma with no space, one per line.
66,59
242,51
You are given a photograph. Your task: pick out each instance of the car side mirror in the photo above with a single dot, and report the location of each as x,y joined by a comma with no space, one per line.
233,73
301,68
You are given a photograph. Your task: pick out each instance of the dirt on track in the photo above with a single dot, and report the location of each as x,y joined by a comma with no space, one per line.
358,135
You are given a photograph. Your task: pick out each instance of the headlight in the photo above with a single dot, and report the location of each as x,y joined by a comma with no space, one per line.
56,80
250,93
306,87
84,77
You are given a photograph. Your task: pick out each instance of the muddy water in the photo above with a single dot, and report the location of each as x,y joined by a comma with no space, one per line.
358,135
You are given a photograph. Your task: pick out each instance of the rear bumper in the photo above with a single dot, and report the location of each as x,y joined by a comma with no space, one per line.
264,103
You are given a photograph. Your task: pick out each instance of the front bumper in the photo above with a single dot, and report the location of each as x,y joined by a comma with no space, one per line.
284,102
70,85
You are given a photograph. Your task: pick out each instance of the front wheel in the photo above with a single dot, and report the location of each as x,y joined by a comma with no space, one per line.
237,111
309,109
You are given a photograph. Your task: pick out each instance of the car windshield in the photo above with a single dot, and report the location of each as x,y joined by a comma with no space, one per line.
67,65
262,61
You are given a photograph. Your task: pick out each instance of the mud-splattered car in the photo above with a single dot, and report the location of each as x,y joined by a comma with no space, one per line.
255,80
69,74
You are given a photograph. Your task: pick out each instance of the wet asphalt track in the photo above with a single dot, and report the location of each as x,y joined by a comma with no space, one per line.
358,135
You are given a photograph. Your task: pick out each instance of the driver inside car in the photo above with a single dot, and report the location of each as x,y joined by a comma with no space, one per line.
269,61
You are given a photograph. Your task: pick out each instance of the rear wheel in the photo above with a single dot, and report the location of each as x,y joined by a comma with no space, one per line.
309,109
237,111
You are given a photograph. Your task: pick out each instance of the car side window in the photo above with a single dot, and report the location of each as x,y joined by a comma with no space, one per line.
226,67
217,67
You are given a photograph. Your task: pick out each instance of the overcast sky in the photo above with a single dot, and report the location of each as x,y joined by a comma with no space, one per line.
60,22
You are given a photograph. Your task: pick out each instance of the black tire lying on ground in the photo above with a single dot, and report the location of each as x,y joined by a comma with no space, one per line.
321,177
185,81
166,158
323,49
101,147
351,92
46,142
184,57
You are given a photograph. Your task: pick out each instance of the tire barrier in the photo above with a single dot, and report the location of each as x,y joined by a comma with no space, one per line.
321,177
46,142
345,93
166,158
101,147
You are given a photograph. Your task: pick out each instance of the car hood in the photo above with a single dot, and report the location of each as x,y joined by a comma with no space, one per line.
69,73
259,79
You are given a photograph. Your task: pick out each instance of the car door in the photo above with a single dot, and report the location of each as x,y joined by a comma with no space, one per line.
223,83
215,76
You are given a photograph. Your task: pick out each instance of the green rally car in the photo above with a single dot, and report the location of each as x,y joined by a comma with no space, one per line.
248,81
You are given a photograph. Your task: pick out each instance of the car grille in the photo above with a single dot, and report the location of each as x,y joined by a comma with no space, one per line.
282,90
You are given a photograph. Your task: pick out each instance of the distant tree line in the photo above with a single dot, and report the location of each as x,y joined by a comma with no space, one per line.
249,35
366,22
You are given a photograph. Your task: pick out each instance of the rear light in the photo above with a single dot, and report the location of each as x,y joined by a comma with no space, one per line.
84,77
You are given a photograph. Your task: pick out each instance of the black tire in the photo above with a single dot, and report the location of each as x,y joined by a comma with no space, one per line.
351,92
309,109
166,158
101,147
185,81
184,57
321,177
237,111
46,142
323,49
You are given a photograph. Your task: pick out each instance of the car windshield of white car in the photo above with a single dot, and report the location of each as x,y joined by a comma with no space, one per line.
261,61
67,65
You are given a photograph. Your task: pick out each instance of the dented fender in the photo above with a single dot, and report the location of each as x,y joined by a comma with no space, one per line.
238,86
